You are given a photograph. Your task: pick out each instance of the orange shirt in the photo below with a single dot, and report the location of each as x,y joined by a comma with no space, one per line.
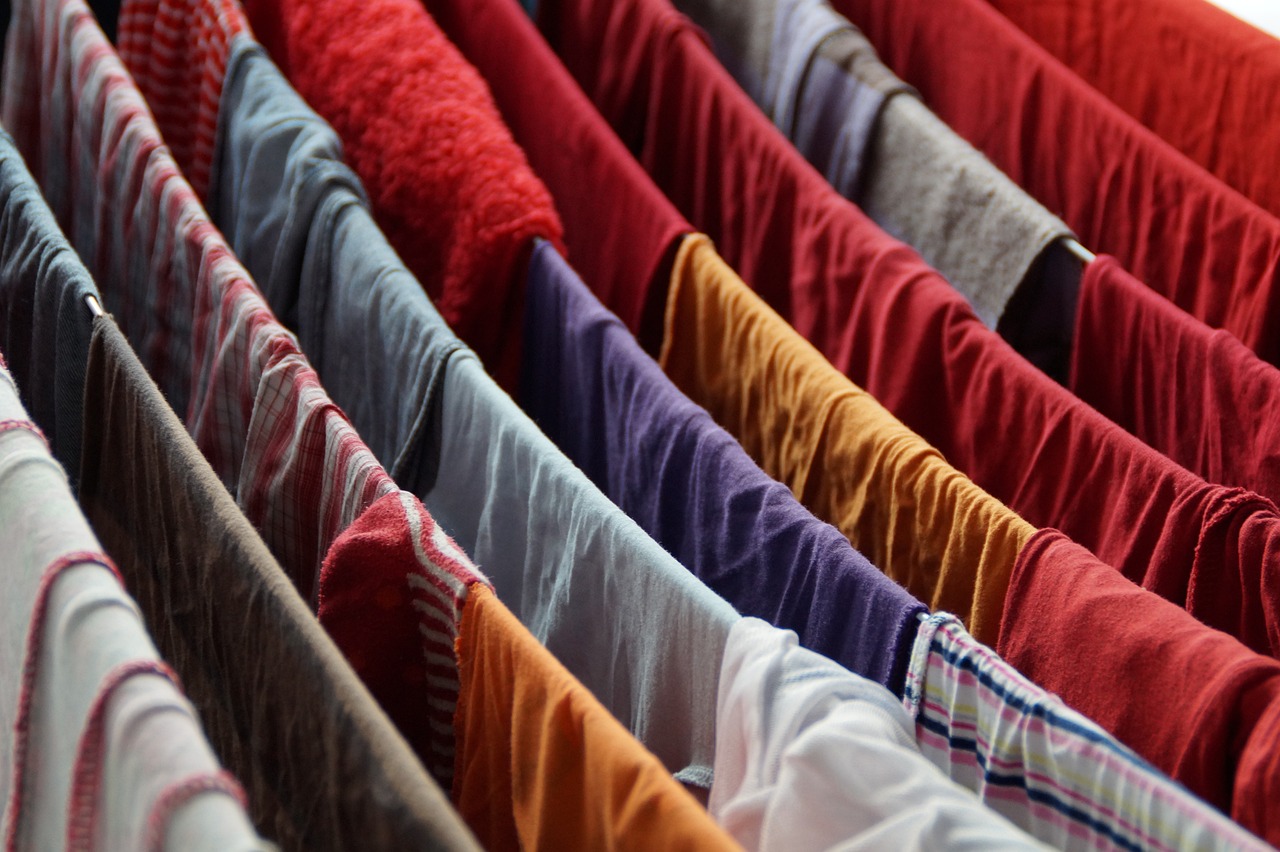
542,765
843,455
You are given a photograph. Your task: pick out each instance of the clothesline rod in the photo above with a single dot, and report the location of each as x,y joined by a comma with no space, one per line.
94,307
1072,245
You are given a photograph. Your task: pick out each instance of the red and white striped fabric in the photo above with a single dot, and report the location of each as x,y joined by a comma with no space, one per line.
252,402
169,64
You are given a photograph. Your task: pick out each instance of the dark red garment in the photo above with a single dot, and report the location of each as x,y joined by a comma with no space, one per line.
448,185
619,228
1121,188
1195,703
1202,79
899,330
1195,394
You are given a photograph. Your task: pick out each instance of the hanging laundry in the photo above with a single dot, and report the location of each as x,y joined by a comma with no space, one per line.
590,787
1194,702
1123,190
1046,768
452,191
1195,394
256,407
879,146
323,766
1199,77
845,457
201,574
688,484
809,756
421,398
297,215
896,328
104,752
44,316
621,232
499,32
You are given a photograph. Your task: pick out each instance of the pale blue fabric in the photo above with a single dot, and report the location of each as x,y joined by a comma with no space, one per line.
619,612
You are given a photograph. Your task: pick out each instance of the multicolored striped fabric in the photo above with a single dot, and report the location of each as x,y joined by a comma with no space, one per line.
1045,767
250,399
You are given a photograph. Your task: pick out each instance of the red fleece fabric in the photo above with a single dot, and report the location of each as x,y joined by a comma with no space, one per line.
1195,394
451,189
619,227
392,589
1194,702
897,329
1121,188
1202,79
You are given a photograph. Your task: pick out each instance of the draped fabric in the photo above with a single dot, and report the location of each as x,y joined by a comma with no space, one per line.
1155,674
846,458
688,484
900,331
1123,190
1200,78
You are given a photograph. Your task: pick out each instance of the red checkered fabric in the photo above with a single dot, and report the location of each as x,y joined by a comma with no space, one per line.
251,401
177,52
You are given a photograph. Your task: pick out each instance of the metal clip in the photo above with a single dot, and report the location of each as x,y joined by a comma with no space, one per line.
1082,254
94,307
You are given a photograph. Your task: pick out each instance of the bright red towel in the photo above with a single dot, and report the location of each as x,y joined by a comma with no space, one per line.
620,229
448,185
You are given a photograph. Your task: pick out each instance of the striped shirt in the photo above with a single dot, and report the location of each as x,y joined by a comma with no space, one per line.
1042,765
250,399
177,52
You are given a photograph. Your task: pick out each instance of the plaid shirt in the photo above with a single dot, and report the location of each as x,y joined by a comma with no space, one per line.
1046,768
253,404
177,52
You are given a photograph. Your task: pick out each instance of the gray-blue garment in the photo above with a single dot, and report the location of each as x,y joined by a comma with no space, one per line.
45,323
820,81
619,612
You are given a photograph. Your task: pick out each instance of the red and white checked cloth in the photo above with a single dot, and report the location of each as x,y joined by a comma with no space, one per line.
177,52
251,400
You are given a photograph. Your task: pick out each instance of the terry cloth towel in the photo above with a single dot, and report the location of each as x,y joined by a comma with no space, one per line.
620,230
810,756
1225,73
1193,701
688,484
100,751
541,765
323,766
844,457
257,409
1193,393
1043,766
358,297
820,82
1121,188
44,318
451,189
896,328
